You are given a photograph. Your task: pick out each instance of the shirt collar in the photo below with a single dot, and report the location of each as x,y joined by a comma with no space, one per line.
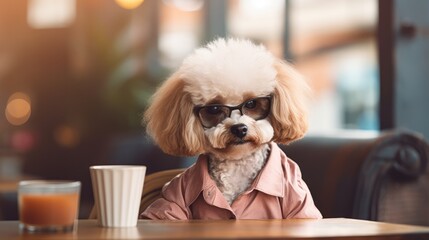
270,180
202,180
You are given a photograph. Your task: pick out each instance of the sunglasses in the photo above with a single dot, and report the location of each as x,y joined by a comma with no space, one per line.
213,114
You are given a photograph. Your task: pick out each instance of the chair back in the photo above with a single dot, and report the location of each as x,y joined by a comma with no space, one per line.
384,177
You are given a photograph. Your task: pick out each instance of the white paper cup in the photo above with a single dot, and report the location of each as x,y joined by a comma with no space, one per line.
117,193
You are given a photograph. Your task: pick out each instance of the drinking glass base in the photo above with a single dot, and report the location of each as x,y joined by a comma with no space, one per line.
28,228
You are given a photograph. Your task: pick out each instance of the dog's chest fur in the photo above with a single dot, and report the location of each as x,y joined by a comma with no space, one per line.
235,176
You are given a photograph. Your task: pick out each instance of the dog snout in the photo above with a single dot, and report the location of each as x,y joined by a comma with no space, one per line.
239,130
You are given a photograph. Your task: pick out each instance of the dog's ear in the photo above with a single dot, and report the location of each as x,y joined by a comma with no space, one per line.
288,114
170,120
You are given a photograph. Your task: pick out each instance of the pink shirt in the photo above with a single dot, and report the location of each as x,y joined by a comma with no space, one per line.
277,192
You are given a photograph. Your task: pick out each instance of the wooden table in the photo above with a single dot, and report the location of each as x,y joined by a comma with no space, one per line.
334,228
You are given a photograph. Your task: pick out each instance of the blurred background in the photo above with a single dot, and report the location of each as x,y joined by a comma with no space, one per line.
76,75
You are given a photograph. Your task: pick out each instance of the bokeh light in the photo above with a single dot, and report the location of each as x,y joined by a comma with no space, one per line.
186,5
129,4
18,109
23,140
67,136
51,13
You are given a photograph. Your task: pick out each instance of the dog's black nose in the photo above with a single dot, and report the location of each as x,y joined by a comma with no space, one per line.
239,130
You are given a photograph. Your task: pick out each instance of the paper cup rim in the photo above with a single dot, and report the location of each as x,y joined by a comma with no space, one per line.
111,167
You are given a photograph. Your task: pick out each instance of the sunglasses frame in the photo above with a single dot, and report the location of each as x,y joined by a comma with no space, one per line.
239,107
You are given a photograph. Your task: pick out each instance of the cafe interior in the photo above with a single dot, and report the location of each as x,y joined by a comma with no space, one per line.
77,75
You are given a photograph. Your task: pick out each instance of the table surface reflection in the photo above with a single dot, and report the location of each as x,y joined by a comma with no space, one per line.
331,228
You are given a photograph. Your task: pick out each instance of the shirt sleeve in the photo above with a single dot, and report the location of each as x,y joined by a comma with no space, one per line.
162,209
298,202
171,205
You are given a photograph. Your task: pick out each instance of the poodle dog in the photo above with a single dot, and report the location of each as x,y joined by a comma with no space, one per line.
231,102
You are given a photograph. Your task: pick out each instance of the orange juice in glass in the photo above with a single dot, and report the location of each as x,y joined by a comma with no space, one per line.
48,206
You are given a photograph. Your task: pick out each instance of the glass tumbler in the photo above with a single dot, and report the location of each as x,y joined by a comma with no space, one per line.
48,206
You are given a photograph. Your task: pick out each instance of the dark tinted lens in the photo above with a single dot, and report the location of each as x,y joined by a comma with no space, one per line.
250,104
257,108
212,115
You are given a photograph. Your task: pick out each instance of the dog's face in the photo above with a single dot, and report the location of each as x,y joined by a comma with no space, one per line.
228,99
235,129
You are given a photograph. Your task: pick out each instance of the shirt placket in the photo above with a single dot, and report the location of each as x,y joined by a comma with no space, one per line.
212,196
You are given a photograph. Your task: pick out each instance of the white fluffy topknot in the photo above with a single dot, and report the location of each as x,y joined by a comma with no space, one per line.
227,68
